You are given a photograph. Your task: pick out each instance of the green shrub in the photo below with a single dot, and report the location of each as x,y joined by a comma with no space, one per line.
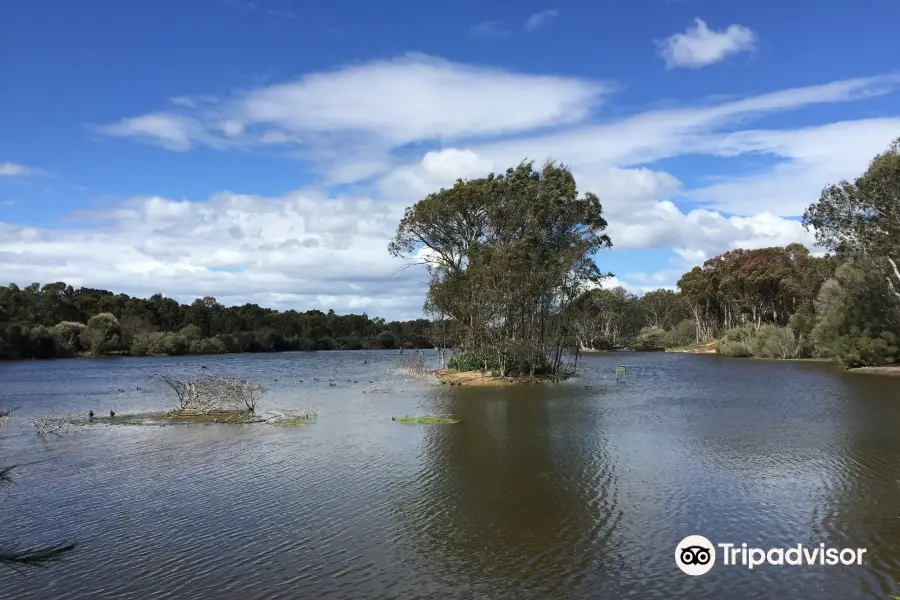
650,338
191,333
466,361
683,334
738,349
863,350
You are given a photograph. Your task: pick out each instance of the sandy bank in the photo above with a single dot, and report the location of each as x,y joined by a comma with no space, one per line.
476,378
886,370
701,348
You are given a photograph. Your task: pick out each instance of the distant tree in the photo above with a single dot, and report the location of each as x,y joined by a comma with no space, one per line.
98,332
662,308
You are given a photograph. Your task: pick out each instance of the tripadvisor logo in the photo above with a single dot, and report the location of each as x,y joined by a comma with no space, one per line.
696,555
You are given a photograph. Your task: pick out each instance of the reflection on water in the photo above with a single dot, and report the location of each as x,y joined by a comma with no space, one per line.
580,490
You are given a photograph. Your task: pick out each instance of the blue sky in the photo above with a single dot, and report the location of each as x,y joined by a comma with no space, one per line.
263,150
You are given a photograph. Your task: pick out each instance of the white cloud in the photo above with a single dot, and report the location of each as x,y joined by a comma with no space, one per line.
650,136
812,157
309,249
172,132
488,29
539,19
10,169
700,46
302,250
183,101
384,104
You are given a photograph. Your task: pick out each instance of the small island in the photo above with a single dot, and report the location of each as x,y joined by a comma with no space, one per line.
506,270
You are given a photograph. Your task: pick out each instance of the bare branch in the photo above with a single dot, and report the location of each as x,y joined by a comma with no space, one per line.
52,424
896,274
36,557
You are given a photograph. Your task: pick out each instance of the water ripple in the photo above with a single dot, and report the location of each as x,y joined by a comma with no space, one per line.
544,492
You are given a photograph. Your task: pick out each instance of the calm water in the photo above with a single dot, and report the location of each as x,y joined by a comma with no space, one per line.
580,490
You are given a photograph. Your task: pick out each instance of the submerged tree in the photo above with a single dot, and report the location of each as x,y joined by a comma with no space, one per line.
507,255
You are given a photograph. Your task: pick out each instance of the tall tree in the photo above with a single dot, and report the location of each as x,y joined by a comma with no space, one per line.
507,255
862,218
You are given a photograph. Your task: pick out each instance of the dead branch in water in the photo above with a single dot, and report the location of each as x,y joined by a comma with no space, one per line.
52,424
4,415
242,393
38,557
413,366
213,394
35,556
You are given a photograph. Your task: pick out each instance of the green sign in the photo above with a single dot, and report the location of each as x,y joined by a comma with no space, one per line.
620,371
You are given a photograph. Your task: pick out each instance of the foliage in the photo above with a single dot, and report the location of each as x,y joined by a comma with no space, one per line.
858,321
651,337
602,319
858,311
468,360
766,341
56,321
507,255
682,334
765,285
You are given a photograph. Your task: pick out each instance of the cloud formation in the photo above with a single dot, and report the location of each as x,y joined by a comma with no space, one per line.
11,169
701,46
540,19
419,124
488,29
413,98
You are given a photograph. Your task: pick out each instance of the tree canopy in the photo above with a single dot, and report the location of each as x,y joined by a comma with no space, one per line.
507,255
57,320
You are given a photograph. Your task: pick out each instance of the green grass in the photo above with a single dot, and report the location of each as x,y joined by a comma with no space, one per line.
821,360
293,421
425,420
175,417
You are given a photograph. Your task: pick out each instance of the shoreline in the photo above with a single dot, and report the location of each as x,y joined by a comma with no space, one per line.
479,379
113,355
890,370
708,347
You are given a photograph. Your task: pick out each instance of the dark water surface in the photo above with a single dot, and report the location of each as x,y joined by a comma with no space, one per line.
541,492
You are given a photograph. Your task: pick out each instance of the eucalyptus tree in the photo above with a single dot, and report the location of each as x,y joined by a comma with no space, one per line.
858,313
862,218
507,256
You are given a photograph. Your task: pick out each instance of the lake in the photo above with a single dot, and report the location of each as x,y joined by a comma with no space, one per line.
576,490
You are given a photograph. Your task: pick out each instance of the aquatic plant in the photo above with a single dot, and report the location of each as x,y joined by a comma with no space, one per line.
426,420
293,417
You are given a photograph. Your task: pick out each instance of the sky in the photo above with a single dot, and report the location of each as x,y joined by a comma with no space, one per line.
264,150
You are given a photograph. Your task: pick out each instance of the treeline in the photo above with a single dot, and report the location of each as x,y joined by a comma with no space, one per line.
767,303
741,290
56,320
781,302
